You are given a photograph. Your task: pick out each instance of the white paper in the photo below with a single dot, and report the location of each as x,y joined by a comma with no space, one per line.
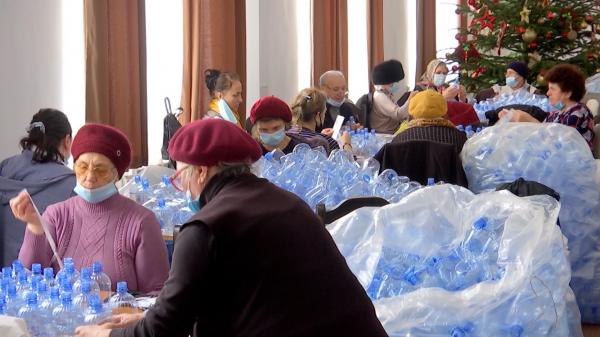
337,126
46,232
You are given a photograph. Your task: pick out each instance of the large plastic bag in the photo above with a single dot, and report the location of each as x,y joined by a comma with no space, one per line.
558,157
531,296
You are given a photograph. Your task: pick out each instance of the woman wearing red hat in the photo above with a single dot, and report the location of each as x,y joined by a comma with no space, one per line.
254,261
98,224
270,116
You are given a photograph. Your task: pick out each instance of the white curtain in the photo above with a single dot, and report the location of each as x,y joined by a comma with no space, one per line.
399,36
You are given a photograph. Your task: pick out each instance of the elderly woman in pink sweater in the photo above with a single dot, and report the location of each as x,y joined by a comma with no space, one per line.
98,224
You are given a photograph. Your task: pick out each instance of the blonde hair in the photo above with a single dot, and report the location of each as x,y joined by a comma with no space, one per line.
307,103
431,67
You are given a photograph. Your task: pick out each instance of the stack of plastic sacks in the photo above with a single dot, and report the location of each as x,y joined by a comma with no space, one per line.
446,262
168,204
521,97
316,178
365,143
558,157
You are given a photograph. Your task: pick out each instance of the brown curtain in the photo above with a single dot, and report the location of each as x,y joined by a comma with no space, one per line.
426,46
374,34
214,36
330,37
115,47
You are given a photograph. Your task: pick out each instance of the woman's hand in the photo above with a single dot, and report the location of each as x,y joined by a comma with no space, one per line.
22,209
327,132
92,331
518,116
451,92
122,320
462,94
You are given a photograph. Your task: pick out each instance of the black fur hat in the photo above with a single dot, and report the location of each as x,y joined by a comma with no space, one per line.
387,72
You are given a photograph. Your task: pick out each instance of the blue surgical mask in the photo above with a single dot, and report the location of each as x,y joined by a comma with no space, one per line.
226,112
395,88
439,79
96,195
559,106
192,204
511,82
335,103
272,139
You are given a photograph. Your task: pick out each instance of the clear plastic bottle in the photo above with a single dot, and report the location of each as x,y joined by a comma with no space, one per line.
36,271
17,267
49,277
66,316
13,301
52,301
135,189
81,299
33,316
2,306
68,270
95,312
22,284
86,275
102,279
7,273
122,302
42,292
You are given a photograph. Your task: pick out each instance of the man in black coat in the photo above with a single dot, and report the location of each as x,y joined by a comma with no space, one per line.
254,260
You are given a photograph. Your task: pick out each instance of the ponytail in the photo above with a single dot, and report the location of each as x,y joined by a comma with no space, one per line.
45,133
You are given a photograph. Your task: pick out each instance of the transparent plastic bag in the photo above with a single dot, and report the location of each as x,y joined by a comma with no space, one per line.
529,292
558,157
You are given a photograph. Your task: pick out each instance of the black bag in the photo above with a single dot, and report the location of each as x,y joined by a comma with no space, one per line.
170,126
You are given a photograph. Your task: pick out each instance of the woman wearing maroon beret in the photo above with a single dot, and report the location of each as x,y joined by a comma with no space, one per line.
254,260
98,224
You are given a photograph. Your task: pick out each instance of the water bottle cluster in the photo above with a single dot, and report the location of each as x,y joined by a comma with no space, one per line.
167,203
469,132
521,97
55,306
364,143
316,178
558,157
472,262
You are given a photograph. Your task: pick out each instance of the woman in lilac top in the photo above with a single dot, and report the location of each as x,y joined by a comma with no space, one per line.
566,88
99,224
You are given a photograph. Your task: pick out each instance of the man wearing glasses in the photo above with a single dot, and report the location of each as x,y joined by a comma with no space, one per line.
333,83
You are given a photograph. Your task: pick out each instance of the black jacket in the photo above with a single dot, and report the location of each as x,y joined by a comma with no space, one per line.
422,159
256,261
347,109
440,134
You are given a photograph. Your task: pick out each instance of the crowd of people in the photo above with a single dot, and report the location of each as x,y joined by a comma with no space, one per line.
250,242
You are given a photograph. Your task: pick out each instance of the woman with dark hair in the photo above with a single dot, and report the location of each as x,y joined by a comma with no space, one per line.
40,169
225,91
566,88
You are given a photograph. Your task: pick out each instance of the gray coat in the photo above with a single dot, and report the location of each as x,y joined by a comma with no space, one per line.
48,183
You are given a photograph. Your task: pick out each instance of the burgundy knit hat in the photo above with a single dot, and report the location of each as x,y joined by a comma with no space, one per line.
105,140
270,106
208,142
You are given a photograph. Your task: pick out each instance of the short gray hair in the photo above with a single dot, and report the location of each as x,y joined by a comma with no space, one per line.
326,75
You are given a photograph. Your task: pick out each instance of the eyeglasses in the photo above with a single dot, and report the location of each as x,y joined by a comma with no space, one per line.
100,171
176,180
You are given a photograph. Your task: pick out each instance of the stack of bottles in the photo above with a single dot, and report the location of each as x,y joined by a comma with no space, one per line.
558,157
521,97
446,262
55,306
168,204
469,132
316,178
364,143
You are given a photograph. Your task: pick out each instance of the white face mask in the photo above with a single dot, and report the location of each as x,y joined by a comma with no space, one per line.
335,103
439,79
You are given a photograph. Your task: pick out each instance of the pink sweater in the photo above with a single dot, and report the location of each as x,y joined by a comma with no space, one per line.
123,235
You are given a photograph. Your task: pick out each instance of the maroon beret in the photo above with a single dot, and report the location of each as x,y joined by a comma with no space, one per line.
271,107
210,141
106,140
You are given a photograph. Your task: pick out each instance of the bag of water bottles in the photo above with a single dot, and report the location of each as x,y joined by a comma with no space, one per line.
558,157
446,262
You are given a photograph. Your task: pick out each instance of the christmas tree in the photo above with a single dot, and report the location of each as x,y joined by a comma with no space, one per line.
540,33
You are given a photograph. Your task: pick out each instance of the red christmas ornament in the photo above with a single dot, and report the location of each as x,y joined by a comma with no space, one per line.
533,45
589,18
487,20
474,3
551,15
565,35
520,29
549,36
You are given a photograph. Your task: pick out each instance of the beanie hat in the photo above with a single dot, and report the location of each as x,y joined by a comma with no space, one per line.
207,142
387,72
270,107
105,140
520,68
427,104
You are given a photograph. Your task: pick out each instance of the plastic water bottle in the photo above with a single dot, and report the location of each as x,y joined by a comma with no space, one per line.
69,270
351,122
2,305
36,271
52,301
86,275
49,277
122,302
13,301
95,313
17,267
66,316
42,292
81,299
7,273
33,316
161,212
22,284
469,131
102,279
32,286
145,193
